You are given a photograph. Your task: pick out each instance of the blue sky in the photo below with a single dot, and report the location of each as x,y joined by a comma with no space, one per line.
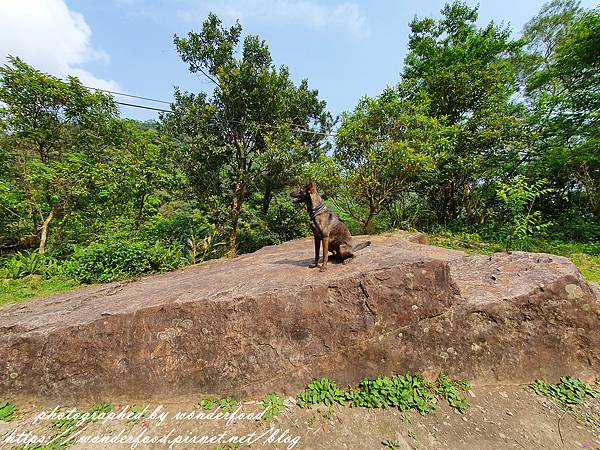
346,49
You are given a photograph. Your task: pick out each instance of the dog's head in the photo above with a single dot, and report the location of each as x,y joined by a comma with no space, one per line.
304,193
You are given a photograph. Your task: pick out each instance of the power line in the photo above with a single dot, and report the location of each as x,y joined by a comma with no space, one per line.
129,95
142,106
298,128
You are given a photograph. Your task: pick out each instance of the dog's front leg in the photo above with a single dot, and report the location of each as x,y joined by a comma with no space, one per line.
325,253
317,248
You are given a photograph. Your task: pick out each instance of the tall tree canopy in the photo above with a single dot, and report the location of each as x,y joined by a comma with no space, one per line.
385,147
565,102
468,75
254,131
51,144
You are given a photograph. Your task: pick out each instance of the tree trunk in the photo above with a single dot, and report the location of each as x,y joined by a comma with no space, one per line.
267,197
596,212
367,224
44,235
140,212
238,198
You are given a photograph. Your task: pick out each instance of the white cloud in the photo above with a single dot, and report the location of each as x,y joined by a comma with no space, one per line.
51,38
345,16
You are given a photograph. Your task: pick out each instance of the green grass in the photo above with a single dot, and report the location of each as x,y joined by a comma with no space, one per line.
585,256
16,290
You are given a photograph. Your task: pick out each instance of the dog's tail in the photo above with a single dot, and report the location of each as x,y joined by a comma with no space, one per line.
361,246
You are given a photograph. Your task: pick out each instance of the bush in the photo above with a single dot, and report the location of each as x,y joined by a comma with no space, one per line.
102,262
175,226
21,264
284,221
577,228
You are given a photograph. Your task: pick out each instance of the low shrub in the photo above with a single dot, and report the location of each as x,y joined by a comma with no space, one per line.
102,262
22,264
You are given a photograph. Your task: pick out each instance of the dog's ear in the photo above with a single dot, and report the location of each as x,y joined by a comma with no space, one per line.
312,187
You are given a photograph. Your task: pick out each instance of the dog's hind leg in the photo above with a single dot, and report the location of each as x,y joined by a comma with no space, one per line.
345,253
325,242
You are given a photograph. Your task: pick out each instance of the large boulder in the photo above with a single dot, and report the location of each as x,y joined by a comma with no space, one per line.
266,322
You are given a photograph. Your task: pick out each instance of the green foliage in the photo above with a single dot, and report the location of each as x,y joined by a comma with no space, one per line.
100,408
7,411
136,409
521,220
321,390
283,221
102,262
447,389
21,264
248,136
273,404
50,142
207,404
384,148
391,444
568,392
404,392
228,404
564,106
466,74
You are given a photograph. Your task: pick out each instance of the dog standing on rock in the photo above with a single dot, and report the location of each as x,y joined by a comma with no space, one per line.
327,228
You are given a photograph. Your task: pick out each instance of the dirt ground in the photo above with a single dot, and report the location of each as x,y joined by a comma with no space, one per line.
499,417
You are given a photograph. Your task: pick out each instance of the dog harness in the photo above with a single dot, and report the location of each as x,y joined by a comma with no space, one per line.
316,210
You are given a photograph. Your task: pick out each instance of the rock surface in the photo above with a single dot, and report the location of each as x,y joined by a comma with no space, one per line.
266,322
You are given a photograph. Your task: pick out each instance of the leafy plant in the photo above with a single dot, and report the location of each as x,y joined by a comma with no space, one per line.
118,259
64,424
7,411
100,408
273,404
207,404
568,392
447,389
228,404
522,221
21,264
401,391
137,410
321,390
389,443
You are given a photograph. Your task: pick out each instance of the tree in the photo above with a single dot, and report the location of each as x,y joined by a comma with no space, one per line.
254,131
52,129
385,146
564,100
468,74
549,27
